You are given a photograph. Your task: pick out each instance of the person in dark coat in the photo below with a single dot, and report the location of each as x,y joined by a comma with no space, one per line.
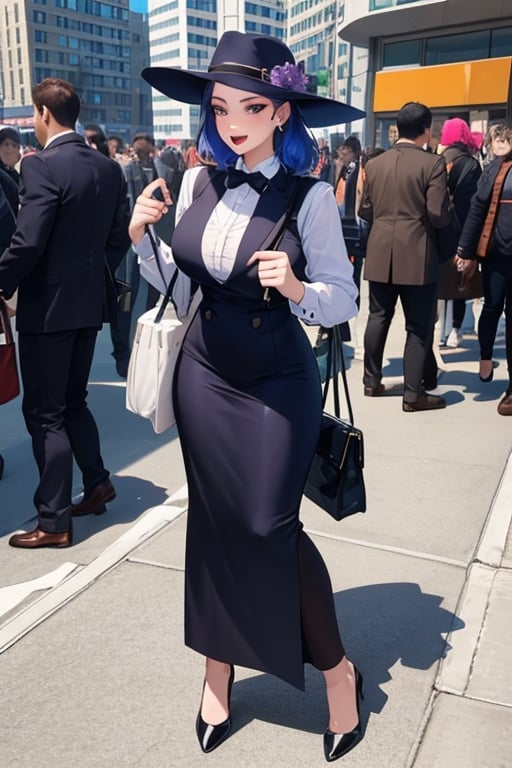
10,152
496,266
8,211
460,150
247,392
73,216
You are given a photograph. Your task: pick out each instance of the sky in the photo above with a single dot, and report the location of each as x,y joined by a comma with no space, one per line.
141,6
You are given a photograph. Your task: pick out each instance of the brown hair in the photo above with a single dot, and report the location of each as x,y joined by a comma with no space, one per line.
60,98
498,131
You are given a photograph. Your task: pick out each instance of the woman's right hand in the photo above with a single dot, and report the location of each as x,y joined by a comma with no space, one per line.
148,210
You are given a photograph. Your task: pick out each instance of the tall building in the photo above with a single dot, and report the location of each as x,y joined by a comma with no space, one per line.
336,68
453,55
184,34
100,47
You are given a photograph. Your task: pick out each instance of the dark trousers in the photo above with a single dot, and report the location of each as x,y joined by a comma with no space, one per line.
497,296
54,369
418,303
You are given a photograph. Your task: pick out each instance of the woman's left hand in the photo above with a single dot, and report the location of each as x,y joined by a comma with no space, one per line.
275,271
468,266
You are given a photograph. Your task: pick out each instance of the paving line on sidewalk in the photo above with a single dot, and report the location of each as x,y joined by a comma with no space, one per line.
154,520
388,548
455,670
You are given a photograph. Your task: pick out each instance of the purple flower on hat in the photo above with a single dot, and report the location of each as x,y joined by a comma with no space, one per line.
289,76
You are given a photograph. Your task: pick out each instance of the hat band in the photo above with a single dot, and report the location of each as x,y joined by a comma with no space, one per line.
241,69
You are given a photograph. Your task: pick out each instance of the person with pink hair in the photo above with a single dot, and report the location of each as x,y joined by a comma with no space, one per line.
457,131
459,147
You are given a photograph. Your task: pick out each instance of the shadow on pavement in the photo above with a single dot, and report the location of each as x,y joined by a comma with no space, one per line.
134,497
401,623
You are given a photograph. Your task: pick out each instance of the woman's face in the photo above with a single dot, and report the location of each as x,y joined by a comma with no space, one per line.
500,146
9,152
246,122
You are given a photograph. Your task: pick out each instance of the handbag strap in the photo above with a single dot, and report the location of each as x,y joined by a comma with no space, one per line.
487,229
336,355
302,186
5,323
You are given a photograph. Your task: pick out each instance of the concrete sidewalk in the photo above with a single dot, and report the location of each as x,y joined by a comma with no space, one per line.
94,671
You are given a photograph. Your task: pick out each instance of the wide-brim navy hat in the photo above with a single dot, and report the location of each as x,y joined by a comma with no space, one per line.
255,63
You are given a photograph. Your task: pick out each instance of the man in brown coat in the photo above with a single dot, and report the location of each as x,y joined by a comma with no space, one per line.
406,200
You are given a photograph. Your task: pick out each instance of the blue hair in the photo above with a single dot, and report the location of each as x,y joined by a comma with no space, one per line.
295,147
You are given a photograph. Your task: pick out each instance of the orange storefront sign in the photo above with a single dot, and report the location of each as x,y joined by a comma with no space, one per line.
471,83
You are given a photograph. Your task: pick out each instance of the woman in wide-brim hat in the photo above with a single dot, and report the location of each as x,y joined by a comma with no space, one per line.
246,391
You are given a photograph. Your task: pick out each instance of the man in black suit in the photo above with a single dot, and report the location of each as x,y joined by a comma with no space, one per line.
73,215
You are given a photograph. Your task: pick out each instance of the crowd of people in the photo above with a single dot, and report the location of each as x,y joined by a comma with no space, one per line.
446,178
246,388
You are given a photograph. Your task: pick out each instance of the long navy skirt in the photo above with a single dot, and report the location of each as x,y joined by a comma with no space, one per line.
247,398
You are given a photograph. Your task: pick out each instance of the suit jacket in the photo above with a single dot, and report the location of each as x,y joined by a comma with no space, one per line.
406,199
73,215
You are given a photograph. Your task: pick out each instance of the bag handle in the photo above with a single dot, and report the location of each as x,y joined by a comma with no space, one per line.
5,323
172,282
278,231
335,355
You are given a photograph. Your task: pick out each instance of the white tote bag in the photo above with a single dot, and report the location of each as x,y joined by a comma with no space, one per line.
155,350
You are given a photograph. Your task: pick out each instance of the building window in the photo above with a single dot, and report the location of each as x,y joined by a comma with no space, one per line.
41,56
501,42
40,36
450,48
39,17
401,54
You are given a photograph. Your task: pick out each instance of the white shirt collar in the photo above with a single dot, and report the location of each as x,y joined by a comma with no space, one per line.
268,167
57,136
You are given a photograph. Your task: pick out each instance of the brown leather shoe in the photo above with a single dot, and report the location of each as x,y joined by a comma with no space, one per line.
424,402
375,391
38,538
95,501
505,404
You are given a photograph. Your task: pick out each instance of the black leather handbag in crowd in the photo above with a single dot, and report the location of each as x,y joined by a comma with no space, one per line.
117,297
335,481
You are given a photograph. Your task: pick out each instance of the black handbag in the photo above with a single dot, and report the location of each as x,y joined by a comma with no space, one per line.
117,298
335,481
355,234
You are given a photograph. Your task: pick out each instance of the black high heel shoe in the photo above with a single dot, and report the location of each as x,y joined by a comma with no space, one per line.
211,736
338,744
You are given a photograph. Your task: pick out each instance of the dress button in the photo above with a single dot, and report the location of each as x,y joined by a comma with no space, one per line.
256,322
207,314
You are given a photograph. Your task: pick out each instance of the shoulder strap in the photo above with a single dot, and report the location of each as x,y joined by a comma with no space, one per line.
302,186
487,229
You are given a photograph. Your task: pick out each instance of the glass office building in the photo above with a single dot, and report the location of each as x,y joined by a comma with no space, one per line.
99,47
184,33
453,55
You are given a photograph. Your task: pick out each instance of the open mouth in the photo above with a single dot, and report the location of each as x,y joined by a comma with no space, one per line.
238,139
